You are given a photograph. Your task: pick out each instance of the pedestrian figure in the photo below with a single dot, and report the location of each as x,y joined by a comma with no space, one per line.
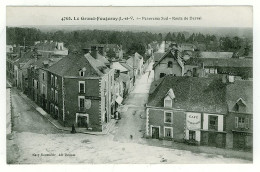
73,130
131,137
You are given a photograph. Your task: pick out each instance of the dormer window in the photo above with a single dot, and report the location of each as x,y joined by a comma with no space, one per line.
169,98
82,72
240,106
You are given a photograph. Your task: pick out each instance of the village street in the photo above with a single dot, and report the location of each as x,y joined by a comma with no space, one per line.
133,111
27,119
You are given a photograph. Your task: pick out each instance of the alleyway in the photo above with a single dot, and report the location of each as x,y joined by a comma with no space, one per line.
133,113
27,119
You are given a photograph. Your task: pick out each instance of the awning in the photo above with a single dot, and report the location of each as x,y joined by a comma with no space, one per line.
119,99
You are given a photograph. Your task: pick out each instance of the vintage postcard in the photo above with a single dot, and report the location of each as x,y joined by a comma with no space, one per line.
129,85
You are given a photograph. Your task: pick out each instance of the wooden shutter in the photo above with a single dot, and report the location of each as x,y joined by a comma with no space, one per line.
236,122
247,123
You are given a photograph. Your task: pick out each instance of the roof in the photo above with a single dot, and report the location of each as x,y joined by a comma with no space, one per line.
118,66
102,58
232,62
178,59
240,90
45,60
127,66
158,56
71,64
192,93
205,54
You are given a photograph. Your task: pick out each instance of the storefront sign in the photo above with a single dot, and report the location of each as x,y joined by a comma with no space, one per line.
193,121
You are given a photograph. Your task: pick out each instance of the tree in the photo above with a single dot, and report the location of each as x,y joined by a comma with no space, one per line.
168,37
137,47
111,54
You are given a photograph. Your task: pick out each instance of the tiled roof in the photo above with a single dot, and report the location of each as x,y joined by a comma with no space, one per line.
240,89
71,64
192,93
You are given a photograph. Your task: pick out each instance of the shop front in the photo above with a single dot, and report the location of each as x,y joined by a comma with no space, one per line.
193,126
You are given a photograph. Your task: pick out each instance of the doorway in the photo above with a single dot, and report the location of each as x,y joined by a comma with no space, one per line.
155,132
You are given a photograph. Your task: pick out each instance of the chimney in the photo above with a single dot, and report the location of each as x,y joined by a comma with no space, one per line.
94,51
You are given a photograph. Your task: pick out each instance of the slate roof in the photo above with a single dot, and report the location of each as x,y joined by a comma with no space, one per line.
214,62
158,56
71,64
192,93
178,59
240,89
225,55
45,60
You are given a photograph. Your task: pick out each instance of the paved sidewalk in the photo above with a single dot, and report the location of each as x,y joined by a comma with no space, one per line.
54,122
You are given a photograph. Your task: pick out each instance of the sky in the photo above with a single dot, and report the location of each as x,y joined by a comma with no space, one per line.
214,16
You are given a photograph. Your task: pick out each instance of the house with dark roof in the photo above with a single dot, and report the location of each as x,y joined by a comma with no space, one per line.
239,120
169,63
187,109
206,111
80,88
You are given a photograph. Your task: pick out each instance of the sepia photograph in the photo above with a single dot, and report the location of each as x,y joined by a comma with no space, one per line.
129,85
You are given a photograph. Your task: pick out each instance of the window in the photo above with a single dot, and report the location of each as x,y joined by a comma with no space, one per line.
81,73
168,117
162,75
192,135
81,86
52,94
170,64
168,103
55,84
213,122
241,122
211,70
52,80
43,77
56,96
168,132
81,103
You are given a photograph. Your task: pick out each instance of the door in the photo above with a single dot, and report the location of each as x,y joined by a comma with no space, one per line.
155,132
212,139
